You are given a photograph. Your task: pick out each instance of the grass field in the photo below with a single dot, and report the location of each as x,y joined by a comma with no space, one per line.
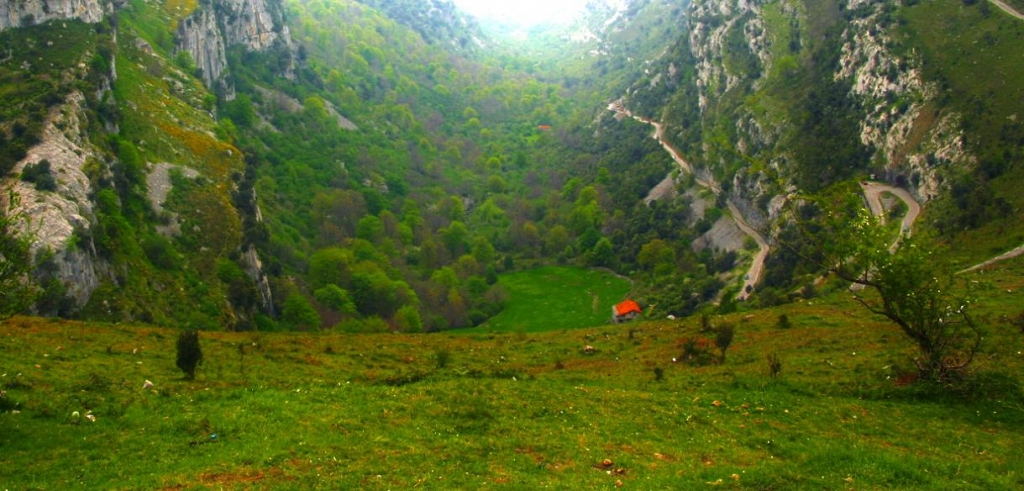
553,297
512,410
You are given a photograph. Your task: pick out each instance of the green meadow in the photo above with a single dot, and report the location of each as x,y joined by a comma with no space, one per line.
515,410
553,298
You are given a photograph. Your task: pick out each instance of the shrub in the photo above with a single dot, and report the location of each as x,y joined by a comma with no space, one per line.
161,252
696,351
774,364
723,338
784,322
40,175
442,357
363,326
705,323
190,355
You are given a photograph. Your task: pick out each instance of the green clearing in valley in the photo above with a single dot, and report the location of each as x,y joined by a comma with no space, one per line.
553,297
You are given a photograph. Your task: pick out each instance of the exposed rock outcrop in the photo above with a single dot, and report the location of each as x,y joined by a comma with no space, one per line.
200,36
22,13
900,124
60,220
257,25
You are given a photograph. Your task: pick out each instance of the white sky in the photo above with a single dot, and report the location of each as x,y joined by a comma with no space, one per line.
524,12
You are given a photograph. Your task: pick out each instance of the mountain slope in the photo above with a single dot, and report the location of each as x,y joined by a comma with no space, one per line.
369,165
775,97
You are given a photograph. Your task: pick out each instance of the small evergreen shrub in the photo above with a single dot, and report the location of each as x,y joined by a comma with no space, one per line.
784,322
723,338
774,364
190,355
39,174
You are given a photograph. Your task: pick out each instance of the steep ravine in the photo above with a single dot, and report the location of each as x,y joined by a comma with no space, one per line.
757,264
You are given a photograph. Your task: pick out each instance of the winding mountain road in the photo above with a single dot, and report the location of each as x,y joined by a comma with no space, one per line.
1008,9
1002,257
753,275
873,195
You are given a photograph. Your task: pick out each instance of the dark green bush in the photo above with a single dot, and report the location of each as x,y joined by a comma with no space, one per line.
723,338
774,364
190,355
40,175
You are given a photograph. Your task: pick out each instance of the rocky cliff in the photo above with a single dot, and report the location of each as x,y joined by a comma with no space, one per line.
257,25
20,13
61,220
753,61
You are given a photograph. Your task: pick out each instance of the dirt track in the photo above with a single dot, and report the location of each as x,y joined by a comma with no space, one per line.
1008,9
757,265
872,193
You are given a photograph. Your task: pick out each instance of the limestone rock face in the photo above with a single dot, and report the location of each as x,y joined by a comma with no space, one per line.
21,13
60,220
878,77
258,25
199,35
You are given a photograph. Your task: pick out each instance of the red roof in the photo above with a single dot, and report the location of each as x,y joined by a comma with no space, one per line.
627,307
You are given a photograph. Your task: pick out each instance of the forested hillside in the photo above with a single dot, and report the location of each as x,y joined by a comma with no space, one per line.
375,165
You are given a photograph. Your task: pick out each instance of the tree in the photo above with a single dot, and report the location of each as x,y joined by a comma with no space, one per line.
723,338
17,291
556,241
298,313
407,319
912,284
603,254
190,355
335,298
658,256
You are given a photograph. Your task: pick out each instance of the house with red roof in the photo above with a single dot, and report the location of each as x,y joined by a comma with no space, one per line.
625,311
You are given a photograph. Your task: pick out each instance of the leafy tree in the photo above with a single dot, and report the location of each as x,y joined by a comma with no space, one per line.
455,238
241,289
603,253
190,355
408,319
911,284
336,299
299,313
330,266
723,338
658,256
17,291
241,111
556,241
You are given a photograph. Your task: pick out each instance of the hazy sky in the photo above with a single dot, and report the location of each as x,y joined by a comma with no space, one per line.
526,12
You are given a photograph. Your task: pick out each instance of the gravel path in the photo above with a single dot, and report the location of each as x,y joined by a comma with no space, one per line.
1008,9
757,265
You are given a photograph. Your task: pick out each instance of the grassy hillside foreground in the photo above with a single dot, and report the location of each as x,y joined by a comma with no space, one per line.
511,411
